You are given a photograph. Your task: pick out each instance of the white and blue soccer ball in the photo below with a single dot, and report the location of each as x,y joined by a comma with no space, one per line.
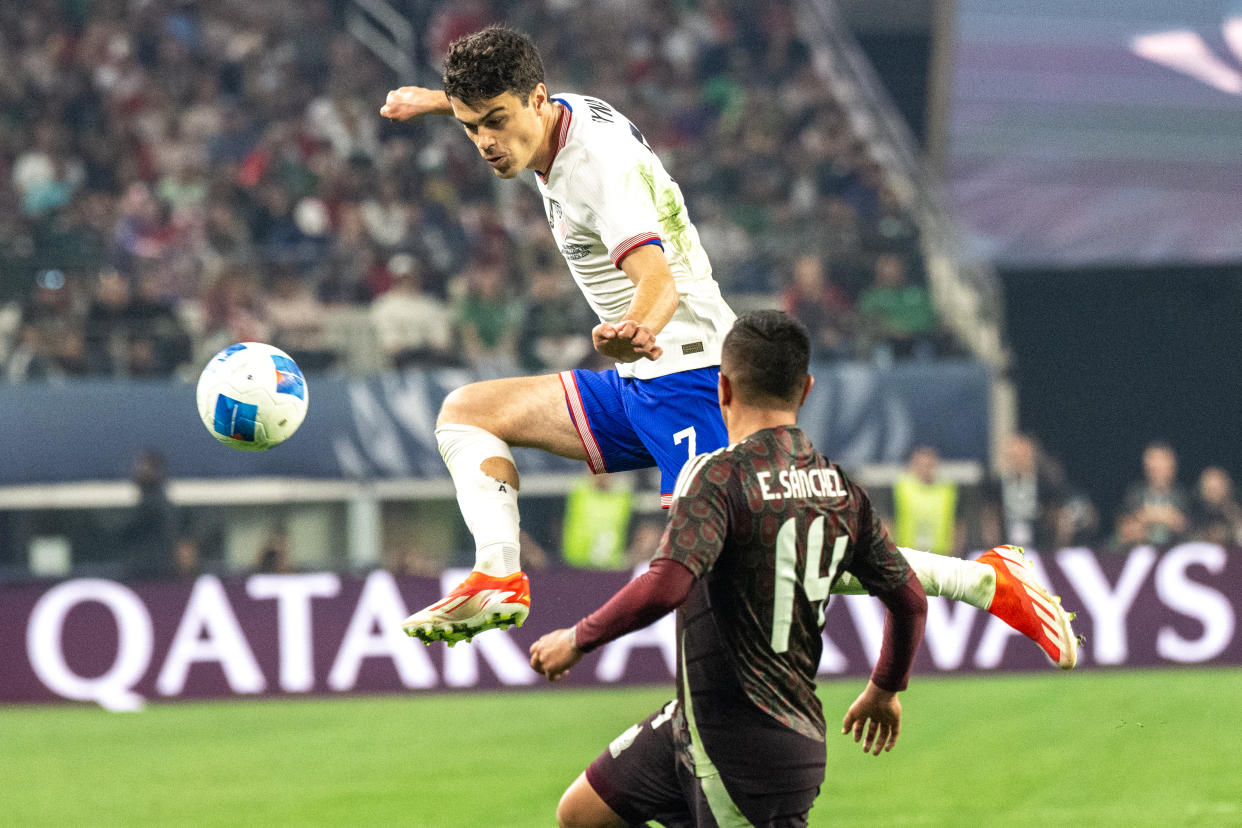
252,396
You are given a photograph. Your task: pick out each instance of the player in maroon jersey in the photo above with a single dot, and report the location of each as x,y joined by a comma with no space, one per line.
757,534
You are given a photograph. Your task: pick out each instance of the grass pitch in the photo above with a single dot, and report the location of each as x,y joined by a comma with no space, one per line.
1095,748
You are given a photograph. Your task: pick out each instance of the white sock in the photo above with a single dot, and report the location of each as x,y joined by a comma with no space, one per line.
955,578
940,575
488,505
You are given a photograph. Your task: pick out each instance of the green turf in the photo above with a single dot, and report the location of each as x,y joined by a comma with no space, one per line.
1096,748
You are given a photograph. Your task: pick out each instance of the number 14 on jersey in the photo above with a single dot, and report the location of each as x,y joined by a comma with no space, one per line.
815,586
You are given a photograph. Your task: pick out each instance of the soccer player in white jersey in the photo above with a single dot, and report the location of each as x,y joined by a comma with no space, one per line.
621,224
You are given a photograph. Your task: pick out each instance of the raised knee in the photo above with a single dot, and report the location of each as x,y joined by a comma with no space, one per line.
456,408
472,405
565,816
581,807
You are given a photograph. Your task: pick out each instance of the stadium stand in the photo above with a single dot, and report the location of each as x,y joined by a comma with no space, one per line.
176,177
220,170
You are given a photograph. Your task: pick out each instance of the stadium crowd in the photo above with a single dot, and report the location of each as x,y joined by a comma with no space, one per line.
176,176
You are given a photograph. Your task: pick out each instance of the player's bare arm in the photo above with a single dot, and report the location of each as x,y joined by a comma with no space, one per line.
409,102
655,300
876,713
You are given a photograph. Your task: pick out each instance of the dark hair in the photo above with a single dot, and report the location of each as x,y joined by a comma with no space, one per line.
491,62
766,355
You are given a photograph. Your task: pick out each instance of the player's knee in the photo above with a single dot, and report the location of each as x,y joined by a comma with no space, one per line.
581,807
569,816
463,406
565,814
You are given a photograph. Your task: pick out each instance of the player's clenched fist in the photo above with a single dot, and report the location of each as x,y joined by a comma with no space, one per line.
413,101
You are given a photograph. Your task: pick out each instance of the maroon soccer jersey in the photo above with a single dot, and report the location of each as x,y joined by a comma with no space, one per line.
766,526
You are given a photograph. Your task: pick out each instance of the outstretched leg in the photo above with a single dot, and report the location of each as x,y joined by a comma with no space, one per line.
941,576
1002,582
477,425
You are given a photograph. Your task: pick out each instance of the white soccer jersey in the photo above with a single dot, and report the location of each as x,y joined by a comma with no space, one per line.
607,193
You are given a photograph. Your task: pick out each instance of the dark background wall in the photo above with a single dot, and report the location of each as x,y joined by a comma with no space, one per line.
1109,359
1105,359
901,59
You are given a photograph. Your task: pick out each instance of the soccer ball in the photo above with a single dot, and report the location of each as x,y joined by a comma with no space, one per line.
252,396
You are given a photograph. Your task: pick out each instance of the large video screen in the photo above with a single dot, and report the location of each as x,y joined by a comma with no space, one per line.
1102,131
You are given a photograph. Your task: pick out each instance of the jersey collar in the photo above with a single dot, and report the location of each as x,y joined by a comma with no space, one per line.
562,135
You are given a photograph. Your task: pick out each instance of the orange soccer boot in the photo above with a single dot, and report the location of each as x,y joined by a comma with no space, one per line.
1024,604
481,602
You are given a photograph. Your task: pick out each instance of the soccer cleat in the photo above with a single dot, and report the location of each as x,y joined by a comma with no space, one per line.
481,602
1023,603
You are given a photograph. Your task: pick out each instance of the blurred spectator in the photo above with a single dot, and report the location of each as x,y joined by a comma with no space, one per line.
31,357
235,312
159,342
413,328
149,536
597,520
897,316
1128,532
49,341
1158,502
555,331
1214,514
822,307
44,176
1030,503
894,229
297,319
488,319
274,556
386,217
345,121
355,269
925,506
188,558
111,321
842,236
141,229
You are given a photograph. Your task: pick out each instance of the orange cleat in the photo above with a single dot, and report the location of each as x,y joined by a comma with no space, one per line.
1024,604
481,602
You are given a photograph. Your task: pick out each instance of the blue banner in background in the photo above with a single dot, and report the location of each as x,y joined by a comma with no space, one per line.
382,426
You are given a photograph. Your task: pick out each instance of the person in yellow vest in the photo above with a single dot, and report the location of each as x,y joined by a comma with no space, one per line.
597,521
925,507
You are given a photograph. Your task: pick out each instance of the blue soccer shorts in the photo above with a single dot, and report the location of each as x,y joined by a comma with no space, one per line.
627,423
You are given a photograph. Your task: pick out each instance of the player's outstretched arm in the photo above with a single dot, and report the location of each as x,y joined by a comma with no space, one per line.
411,102
658,591
875,714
